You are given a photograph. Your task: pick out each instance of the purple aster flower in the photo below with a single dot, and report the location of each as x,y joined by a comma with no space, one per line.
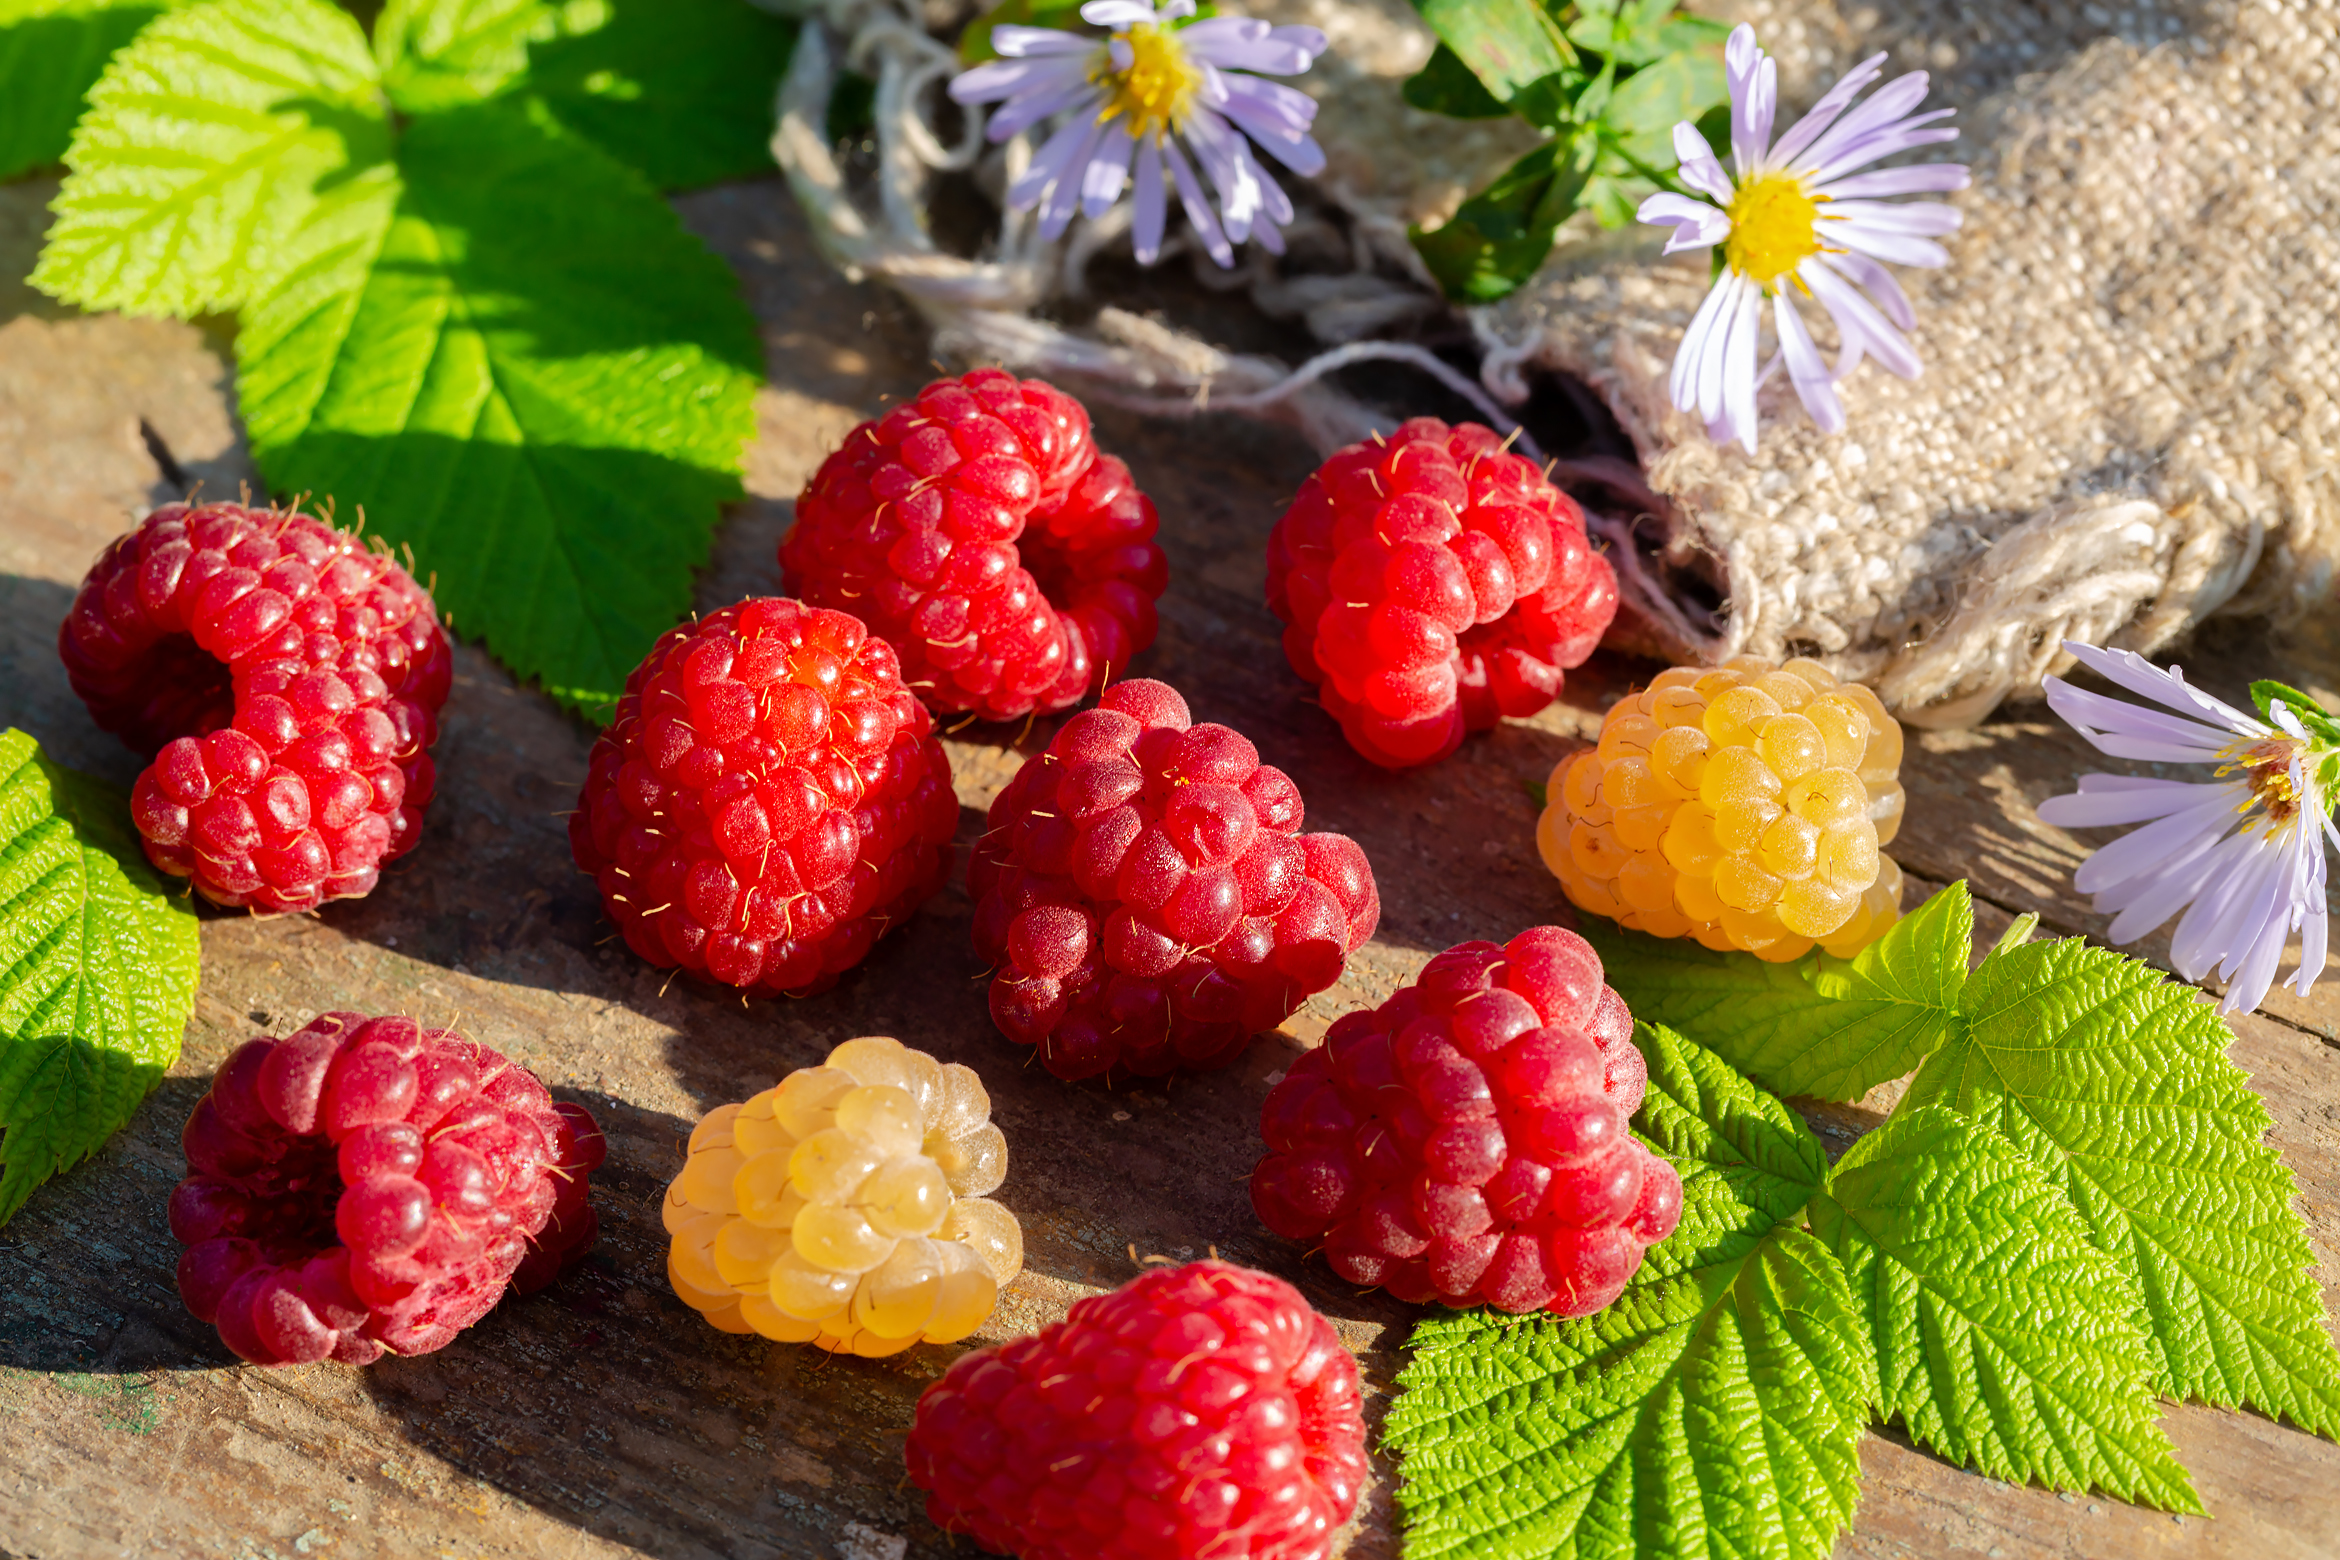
1160,107
1800,218
2241,854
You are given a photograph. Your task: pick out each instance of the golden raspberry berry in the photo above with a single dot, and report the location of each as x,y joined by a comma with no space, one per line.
1743,806
845,1207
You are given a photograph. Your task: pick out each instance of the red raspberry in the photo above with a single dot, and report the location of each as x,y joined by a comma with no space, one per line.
1432,584
769,800
1148,897
1465,1141
1198,1410
368,1184
288,682
978,530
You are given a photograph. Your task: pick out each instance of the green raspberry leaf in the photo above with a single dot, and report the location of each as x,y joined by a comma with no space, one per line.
1823,1027
205,147
1747,1162
681,89
97,969
1516,51
1714,1410
444,53
2005,1339
521,364
51,54
2115,1079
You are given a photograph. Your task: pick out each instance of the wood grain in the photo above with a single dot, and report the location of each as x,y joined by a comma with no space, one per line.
601,1417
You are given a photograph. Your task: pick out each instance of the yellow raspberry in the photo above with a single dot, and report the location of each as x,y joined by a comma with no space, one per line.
1743,805
845,1207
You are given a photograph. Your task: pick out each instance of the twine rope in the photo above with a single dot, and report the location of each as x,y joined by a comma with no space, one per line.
986,309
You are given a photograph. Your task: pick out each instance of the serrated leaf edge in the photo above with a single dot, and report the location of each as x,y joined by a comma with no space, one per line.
2170,1488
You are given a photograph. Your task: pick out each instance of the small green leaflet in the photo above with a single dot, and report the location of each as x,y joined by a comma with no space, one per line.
1514,48
476,326
1640,32
1446,86
202,153
554,440
1713,1410
1643,68
1497,238
97,969
2267,694
2005,1339
1637,126
1828,1028
51,52
2116,1080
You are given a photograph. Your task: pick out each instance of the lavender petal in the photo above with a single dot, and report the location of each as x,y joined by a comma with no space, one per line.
1682,386
1923,179
1697,166
1198,210
1822,114
2163,686
1806,369
1107,170
1148,209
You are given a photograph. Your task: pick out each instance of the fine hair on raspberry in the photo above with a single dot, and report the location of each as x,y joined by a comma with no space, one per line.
368,1185
1202,1410
1466,1141
978,529
769,801
1430,584
1147,898
287,681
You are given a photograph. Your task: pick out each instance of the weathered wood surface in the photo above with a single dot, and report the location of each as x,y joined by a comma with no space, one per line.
602,1416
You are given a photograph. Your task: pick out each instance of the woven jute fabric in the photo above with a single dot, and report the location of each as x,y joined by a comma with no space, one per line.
2129,419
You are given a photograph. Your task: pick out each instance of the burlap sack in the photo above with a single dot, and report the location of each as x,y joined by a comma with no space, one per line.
2130,415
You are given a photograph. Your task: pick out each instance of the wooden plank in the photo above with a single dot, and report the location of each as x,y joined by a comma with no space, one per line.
601,1417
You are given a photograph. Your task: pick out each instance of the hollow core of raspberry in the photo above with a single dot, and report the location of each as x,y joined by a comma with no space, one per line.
978,529
286,681
365,1185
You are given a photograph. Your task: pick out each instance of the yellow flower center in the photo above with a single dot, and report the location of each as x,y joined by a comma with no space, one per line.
2267,763
1157,86
1774,226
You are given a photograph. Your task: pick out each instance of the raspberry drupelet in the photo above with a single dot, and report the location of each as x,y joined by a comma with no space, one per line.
769,801
1431,584
1196,1410
978,530
1742,805
1466,1141
1147,897
287,681
846,1206
367,1184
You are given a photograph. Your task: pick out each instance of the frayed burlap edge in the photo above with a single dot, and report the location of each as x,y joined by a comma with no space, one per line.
2210,488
